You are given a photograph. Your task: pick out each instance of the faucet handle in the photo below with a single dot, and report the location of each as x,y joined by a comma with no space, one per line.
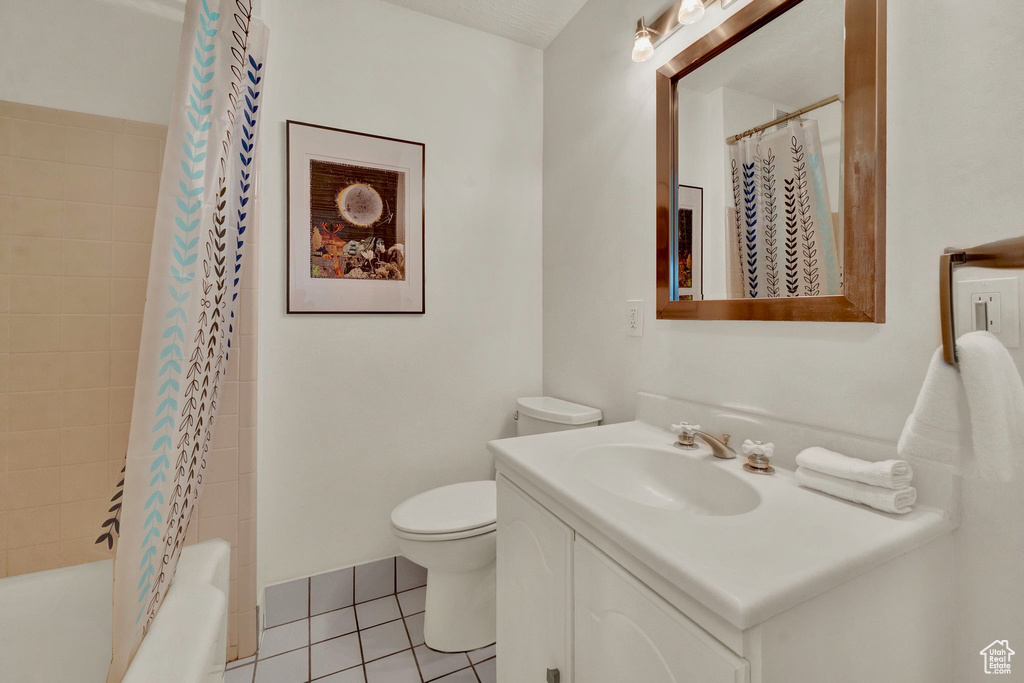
685,428
687,432
758,456
758,448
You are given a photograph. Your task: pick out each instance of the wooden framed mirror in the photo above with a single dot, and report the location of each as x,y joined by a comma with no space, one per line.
771,166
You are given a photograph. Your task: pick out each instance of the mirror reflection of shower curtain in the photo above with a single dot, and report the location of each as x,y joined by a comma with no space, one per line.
205,205
781,226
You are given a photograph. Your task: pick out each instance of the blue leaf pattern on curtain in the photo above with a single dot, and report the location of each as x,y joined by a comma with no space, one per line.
198,245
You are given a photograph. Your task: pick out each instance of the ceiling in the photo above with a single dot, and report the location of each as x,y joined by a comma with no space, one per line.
797,59
533,22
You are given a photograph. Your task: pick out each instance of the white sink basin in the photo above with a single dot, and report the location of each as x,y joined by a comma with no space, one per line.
666,479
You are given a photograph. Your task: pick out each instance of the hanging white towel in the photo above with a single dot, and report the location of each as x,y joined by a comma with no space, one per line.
934,431
890,474
898,501
979,409
995,400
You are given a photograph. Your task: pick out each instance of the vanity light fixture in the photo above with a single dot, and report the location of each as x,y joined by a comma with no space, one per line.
679,13
643,48
690,12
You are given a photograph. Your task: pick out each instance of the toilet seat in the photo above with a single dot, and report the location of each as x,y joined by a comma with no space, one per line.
448,513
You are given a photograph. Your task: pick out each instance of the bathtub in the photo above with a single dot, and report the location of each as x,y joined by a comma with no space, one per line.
55,625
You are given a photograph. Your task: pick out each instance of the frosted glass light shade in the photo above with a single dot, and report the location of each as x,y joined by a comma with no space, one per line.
642,48
691,11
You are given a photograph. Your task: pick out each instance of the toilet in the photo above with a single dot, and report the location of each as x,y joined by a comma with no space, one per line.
452,532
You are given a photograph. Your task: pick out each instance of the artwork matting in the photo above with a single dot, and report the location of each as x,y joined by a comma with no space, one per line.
355,222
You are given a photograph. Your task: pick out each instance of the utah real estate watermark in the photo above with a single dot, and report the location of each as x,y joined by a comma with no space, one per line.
997,657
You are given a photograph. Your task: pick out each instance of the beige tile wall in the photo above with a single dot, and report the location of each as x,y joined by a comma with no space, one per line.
77,202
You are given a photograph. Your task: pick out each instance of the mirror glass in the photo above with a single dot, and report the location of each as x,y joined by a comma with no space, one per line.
760,190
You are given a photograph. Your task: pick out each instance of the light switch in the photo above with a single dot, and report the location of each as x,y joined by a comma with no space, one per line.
992,305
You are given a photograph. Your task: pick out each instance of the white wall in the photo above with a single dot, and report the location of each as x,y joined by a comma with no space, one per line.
359,412
109,57
956,163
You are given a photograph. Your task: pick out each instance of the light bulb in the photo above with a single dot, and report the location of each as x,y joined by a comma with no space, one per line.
691,11
642,48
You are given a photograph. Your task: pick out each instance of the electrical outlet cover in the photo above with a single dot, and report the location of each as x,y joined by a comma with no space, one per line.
635,318
1006,291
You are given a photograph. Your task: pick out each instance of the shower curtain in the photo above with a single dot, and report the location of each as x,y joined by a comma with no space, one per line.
204,207
785,243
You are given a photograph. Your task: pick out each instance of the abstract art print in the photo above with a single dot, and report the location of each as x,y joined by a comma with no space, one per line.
355,222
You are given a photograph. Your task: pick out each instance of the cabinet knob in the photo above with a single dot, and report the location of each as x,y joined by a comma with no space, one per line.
554,676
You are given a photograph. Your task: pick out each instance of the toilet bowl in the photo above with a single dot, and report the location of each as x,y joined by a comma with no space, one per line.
452,532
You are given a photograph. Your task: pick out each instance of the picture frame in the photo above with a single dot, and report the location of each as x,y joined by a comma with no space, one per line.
688,245
356,222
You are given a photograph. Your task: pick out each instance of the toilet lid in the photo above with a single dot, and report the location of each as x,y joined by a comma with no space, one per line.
457,507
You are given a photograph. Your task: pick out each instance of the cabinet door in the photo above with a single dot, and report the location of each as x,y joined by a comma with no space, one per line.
624,632
534,599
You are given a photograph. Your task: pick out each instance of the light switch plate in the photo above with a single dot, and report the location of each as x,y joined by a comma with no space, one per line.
635,318
727,3
1000,298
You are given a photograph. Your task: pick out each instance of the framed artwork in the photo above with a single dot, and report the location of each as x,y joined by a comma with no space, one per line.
355,222
689,244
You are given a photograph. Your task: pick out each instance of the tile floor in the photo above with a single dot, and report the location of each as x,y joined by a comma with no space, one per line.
376,640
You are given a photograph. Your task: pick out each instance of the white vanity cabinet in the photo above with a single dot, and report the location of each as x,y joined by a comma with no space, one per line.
571,602
534,590
625,632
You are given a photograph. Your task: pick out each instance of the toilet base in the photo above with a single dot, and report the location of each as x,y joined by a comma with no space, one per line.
460,609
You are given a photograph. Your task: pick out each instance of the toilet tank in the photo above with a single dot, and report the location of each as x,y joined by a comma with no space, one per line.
542,414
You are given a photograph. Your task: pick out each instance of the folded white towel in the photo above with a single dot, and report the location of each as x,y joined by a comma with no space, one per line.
890,474
886,500
979,408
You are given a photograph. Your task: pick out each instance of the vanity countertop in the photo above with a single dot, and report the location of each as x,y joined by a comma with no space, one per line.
795,544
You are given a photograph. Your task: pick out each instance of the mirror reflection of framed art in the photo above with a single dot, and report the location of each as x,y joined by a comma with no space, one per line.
689,244
355,222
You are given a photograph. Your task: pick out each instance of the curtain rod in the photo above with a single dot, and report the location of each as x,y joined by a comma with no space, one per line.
782,119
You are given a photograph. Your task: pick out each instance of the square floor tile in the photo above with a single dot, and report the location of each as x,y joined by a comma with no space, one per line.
284,638
331,591
240,674
291,667
375,580
287,602
415,626
487,671
377,611
332,624
400,668
413,601
464,676
334,655
384,640
408,574
434,664
347,676
482,654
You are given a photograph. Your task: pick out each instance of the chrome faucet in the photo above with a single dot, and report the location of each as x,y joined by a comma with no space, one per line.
687,432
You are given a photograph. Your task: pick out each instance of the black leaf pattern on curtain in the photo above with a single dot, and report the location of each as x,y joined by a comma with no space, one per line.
792,269
737,197
770,217
113,524
811,277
